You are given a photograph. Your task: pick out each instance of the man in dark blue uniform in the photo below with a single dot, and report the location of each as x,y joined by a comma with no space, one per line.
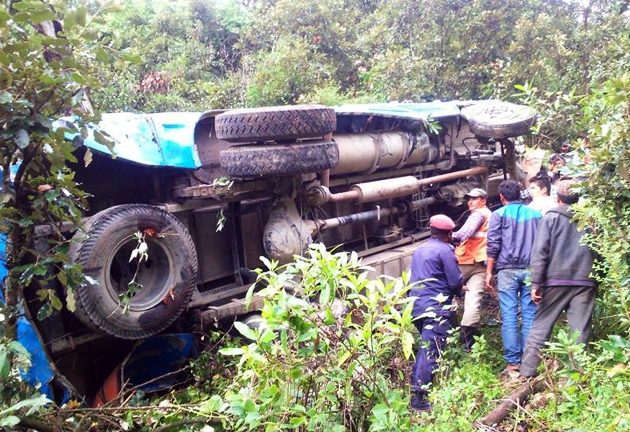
437,279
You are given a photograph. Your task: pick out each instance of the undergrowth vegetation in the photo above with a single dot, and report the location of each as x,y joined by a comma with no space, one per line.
334,349
333,352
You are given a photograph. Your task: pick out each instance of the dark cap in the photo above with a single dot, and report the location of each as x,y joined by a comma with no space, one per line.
477,193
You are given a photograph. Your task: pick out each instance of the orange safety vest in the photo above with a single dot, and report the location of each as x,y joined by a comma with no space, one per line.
474,249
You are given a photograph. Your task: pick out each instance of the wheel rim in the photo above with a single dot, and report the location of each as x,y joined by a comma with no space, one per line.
153,275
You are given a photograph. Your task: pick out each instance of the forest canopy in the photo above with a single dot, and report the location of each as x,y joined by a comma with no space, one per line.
205,54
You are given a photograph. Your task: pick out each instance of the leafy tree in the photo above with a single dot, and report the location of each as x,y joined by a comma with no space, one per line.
605,163
182,51
285,74
47,61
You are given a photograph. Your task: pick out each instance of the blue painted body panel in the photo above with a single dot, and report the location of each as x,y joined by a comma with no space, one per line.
413,111
161,139
153,360
40,374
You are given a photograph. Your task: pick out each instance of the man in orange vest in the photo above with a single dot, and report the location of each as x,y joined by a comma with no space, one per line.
471,257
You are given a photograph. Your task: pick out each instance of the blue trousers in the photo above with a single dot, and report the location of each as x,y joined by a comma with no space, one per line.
514,294
433,333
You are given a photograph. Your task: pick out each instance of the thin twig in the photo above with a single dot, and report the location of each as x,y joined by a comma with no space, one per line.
180,423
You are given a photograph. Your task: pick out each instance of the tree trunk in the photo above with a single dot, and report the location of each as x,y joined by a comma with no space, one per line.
517,398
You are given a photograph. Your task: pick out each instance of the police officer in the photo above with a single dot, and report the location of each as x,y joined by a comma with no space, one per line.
471,255
437,279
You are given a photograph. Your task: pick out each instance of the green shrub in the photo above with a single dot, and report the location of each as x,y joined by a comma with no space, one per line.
332,354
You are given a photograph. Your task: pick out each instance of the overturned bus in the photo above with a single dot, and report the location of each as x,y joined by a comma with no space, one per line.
206,195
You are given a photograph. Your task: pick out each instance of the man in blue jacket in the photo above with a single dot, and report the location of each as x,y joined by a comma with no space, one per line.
437,279
510,240
561,277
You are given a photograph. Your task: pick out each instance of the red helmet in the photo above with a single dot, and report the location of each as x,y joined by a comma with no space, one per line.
442,222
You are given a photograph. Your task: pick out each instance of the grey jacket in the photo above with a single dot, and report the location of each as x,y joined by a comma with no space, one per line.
558,256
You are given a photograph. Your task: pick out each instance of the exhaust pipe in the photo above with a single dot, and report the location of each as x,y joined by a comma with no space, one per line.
385,189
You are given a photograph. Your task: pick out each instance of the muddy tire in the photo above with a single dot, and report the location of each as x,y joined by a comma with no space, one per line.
275,123
168,277
499,119
280,159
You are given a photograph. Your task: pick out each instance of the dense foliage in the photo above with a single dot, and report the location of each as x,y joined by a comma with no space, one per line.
204,55
310,368
47,61
330,352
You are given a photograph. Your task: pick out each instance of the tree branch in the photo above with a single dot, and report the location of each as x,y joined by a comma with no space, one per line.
516,399
38,425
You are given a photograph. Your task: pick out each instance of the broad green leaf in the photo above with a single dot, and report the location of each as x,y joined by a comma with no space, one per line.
55,302
5,367
407,344
78,78
81,15
5,198
87,157
101,55
231,351
22,139
325,294
249,295
246,331
131,58
18,348
267,336
343,358
69,20
33,403
70,300
212,405
41,16
6,97
9,421
45,311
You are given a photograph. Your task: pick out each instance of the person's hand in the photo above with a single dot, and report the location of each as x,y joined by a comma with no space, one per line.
457,304
489,287
536,294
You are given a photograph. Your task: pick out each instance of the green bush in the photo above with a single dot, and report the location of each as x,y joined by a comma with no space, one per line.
604,163
332,353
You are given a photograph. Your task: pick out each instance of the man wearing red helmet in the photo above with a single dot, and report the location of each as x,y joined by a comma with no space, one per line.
436,279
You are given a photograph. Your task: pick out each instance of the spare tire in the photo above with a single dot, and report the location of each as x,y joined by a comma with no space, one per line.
280,159
275,123
166,279
494,119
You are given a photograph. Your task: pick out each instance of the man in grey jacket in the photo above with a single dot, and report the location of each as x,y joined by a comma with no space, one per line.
560,269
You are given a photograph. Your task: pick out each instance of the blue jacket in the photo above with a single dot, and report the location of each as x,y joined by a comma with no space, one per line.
511,235
434,267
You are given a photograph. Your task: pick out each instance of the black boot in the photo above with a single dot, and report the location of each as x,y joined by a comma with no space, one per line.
467,337
419,401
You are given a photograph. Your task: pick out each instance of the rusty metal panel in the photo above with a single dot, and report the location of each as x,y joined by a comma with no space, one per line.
393,267
252,231
213,248
392,262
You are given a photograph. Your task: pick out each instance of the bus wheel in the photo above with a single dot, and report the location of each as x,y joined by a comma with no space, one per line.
279,159
498,120
141,269
275,123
